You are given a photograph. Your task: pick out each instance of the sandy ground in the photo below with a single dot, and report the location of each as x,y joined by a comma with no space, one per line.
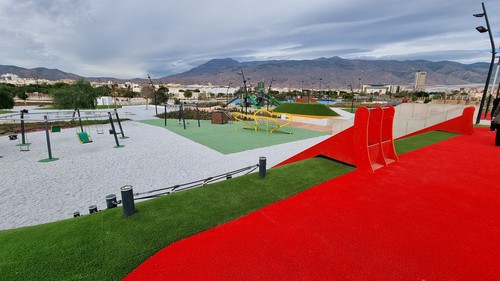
152,157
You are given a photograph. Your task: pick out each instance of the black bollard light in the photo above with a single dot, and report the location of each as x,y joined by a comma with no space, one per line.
128,200
111,201
92,209
262,167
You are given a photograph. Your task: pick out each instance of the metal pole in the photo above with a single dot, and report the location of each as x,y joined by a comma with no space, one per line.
154,94
198,114
165,115
492,42
114,130
47,135
246,92
22,127
128,200
119,124
262,167
80,118
182,116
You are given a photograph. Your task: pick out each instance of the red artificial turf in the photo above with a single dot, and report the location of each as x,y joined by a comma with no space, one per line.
433,216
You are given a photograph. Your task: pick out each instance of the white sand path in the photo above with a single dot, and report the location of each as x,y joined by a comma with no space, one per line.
153,157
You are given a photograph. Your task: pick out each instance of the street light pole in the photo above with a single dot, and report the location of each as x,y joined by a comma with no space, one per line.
246,92
269,93
482,29
320,79
154,94
227,93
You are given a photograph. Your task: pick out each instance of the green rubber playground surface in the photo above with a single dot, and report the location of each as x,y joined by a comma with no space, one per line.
232,138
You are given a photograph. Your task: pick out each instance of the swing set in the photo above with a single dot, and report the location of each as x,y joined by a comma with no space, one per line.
54,126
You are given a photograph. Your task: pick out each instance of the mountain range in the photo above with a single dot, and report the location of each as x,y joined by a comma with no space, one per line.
332,72
39,73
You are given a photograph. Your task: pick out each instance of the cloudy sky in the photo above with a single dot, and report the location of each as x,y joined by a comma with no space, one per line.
128,39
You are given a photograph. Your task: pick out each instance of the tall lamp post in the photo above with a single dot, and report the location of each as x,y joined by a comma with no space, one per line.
227,93
154,94
246,92
483,29
269,93
320,80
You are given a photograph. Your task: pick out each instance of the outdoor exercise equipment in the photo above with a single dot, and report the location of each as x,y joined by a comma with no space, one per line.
368,144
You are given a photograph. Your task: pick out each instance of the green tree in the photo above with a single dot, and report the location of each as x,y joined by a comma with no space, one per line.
79,95
103,91
22,95
188,94
162,95
7,93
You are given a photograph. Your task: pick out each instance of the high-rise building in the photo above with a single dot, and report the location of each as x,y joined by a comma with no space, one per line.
419,80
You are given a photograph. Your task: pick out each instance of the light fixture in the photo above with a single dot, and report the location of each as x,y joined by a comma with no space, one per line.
481,29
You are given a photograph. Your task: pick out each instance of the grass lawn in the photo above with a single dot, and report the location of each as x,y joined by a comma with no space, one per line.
235,138
107,246
7,111
304,108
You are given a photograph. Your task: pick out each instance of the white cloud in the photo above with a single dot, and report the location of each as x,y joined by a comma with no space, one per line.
129,39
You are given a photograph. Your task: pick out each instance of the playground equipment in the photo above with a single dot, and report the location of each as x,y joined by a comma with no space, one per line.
51,121
261,119
23,143
84,137
182,117
256,98
368,144
462,124
413,117
261,93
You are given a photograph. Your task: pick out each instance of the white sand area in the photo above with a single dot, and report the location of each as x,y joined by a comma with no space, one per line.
152,157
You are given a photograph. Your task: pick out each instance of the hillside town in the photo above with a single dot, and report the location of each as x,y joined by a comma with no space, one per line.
460,93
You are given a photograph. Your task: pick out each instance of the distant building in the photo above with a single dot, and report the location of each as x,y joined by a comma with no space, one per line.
380,89
419,80
16,80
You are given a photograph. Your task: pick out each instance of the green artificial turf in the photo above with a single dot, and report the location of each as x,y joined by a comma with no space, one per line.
411,143
304,108
231,138
107,246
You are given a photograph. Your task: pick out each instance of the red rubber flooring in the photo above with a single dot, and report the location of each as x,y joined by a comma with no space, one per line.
435,215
